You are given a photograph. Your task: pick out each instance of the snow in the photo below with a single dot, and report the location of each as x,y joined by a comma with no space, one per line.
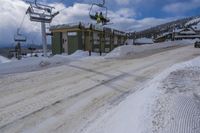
157,108
90,95
196,27
4,59
188,32
38,63
144,41
128,50
195,20
129,42
84,54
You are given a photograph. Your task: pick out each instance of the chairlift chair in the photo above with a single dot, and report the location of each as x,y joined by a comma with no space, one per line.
40,12
19,37
104,11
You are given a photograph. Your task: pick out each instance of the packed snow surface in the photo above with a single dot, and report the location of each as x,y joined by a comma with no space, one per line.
94,94
170,103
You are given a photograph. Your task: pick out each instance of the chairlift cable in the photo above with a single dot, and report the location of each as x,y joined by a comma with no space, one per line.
22,22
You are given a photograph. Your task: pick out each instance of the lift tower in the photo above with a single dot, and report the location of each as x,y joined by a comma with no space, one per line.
44,14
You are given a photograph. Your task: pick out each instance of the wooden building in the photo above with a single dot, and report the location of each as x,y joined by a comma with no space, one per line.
95,38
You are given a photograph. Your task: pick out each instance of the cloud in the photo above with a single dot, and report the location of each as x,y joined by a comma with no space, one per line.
130,25
122,2
181,7
77,12
12,12
126,12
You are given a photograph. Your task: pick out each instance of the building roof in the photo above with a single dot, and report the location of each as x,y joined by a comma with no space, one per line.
86,26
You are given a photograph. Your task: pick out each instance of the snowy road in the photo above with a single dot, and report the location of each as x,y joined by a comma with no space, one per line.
69,98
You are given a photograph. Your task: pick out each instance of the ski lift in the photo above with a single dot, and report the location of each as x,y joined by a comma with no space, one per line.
19,37
102,9
40,12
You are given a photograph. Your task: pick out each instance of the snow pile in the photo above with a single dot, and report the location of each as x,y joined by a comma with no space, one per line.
158,107
128,50
121,51
79,54
129,42
144,41
4,60
32,64
38,63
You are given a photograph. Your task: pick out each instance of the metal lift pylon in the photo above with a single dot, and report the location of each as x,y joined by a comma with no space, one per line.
41,13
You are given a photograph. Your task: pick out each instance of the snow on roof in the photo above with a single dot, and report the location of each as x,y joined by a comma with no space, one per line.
185,31
188,32
178,30
78,25
187,36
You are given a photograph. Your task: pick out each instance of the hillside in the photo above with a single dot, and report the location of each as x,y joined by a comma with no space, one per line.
167,27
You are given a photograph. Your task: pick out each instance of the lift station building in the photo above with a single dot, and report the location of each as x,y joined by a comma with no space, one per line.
95,38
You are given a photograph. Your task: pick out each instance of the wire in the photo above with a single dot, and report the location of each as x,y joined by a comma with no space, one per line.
22,22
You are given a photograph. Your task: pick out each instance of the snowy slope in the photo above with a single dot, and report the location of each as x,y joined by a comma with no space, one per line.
193,21
170,103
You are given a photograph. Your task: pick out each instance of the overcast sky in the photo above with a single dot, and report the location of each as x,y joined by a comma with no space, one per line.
125,14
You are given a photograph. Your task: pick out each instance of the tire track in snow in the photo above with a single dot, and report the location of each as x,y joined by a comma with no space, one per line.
21,110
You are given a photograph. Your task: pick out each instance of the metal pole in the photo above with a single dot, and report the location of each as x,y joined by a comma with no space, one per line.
44,39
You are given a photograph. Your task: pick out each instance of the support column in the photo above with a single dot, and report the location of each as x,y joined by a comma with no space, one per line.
44,39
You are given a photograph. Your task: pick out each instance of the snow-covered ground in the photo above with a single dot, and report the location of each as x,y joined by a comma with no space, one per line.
170,103
84,95
39,63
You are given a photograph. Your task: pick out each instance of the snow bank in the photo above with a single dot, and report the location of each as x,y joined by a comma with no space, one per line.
129,42
32,64
38,63
127,50
4,59
139,113
79,54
